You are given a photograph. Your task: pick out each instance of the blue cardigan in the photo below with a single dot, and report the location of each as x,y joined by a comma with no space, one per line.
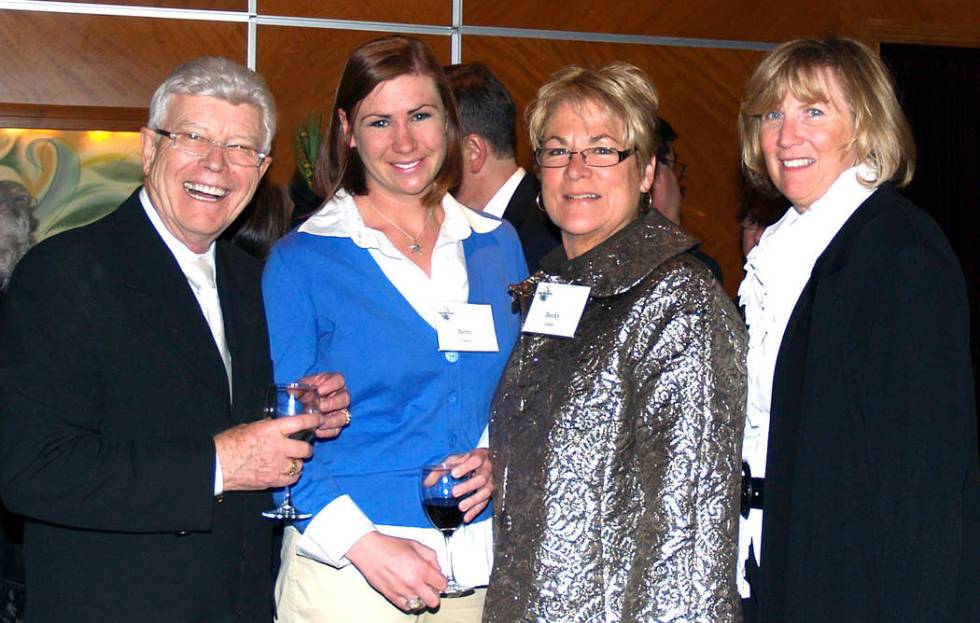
330,307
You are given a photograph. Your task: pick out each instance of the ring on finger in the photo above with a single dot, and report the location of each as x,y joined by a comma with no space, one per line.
293,468
414,603
347,414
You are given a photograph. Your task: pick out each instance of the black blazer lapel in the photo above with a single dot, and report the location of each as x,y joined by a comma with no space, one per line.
784,426
245,328
520,202
537,233
163,299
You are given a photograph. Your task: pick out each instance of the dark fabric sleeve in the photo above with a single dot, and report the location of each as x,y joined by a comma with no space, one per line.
59,460
915,394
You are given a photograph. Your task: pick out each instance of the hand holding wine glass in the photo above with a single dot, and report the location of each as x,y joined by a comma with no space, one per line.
475,491
334,402
259,455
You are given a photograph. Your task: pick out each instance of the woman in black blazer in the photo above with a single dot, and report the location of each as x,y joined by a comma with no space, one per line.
861,427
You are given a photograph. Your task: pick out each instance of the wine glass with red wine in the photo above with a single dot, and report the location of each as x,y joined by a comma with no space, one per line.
436,484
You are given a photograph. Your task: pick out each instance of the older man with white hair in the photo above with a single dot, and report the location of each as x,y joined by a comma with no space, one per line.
133,361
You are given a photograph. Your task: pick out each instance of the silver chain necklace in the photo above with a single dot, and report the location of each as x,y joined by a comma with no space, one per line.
414,246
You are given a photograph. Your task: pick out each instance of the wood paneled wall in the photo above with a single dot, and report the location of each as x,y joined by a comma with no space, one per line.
438,12
61,61
704,19
92,60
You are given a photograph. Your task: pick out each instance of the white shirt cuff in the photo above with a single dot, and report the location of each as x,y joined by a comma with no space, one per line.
333,531
219,477
484,438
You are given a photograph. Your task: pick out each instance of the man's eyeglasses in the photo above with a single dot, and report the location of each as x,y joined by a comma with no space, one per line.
558,157
196,145
675,165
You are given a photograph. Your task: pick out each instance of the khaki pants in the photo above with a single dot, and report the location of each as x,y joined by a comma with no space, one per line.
308,591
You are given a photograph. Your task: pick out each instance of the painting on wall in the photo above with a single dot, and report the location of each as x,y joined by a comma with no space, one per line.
75,177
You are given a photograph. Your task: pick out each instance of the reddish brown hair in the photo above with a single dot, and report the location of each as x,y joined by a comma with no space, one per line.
339,166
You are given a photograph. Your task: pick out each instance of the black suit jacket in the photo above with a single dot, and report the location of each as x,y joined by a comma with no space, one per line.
537,233
871,500
112,389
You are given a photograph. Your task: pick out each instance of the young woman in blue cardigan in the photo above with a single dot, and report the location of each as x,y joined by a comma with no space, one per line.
378,284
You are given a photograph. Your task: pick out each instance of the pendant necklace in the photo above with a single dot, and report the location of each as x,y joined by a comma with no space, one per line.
414,246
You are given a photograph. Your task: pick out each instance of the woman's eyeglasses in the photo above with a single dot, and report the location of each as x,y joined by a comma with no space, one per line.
558,157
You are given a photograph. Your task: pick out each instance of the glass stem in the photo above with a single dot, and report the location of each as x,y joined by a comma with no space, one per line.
449,557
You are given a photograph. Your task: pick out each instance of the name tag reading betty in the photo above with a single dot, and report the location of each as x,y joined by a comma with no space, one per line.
466,327
556,309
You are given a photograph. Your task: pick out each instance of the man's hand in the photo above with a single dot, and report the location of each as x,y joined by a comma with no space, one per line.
399,569
480,483
334,402
261,455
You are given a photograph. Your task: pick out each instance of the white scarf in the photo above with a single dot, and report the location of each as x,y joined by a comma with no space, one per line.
779,267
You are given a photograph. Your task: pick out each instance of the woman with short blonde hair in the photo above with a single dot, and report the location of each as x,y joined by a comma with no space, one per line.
615,448
623,90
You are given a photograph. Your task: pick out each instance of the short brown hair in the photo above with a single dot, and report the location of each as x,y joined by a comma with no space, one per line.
882,136
485,106
340,167
623,90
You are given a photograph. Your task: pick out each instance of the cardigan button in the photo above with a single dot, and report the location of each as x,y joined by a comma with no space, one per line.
452,356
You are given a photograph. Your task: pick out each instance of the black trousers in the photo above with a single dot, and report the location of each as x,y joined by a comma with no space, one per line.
749,610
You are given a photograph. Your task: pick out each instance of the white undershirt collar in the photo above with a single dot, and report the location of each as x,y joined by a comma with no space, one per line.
498,203
180,251
448,279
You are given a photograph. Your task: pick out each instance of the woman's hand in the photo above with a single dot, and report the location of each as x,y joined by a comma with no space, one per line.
480,483
334,402
399,569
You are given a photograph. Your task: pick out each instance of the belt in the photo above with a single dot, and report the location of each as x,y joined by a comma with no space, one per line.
752,489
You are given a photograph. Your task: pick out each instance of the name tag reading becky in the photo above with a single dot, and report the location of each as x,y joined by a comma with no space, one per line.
466,327
556,309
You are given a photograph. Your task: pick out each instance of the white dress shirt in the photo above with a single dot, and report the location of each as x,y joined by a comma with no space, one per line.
335,529
206,295
498,203
776,271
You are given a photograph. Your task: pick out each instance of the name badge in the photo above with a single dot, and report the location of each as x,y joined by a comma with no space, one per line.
556,309
466,327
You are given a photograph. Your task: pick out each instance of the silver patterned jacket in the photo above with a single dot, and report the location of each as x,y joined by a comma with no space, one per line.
616,452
